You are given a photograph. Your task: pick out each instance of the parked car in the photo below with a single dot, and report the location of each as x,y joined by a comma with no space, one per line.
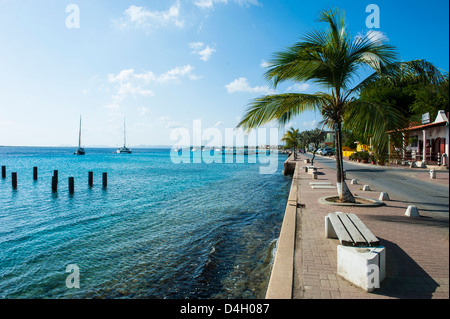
328,151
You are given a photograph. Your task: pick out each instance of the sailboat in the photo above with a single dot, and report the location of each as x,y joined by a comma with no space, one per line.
124,149
80,150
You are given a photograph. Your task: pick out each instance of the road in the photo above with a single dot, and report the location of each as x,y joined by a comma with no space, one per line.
432,199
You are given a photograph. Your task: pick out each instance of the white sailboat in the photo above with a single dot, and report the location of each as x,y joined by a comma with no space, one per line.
124,149
80,150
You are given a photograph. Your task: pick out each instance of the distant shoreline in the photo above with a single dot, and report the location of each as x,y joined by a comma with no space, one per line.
94,146
135,147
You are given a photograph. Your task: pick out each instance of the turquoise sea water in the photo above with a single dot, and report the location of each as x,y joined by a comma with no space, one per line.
159,230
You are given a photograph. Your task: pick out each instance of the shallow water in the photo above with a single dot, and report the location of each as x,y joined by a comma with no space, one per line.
159,230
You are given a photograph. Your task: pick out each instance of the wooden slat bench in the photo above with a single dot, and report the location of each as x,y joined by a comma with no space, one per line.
350,230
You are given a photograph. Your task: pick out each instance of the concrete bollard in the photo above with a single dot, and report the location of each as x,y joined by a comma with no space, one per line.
306,169
412,211
307,161
90,179
354,182
432,174
35,173
314,175
366,188
384,196
71,185
105,180
14,180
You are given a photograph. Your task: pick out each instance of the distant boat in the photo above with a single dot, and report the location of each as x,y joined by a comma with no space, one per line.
80,150
124,149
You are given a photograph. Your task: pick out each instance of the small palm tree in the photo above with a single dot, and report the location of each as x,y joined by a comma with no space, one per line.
292,140
333,60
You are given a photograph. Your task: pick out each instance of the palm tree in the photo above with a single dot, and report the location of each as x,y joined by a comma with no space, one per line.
332,59
292,140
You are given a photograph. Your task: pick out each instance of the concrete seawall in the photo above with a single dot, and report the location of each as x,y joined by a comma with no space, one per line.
282,276
289,165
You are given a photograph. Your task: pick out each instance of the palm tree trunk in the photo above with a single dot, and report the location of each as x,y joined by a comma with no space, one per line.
345,195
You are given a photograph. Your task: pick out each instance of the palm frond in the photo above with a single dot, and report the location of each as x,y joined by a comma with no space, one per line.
403,73
280,108
374,120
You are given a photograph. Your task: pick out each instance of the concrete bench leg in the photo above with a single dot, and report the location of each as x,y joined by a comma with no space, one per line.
329,229
363,266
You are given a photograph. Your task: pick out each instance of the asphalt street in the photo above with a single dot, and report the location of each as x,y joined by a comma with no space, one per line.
432,199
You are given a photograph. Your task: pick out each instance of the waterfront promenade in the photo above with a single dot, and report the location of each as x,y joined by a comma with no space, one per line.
417,260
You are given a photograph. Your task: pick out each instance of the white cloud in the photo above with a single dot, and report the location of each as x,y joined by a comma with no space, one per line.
242,85
265,64
204,4
112,106
143,110
310,124
247,3
373,36
143,18
209,4
130,83
177,74
298,87
169,124
204,51
290,124
127,89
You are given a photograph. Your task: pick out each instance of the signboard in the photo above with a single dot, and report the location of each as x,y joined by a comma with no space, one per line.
426,118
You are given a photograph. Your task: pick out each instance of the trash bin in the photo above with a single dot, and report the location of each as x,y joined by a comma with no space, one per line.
432,174
444,159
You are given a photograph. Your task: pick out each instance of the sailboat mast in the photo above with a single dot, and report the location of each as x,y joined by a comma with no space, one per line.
79,135
124,135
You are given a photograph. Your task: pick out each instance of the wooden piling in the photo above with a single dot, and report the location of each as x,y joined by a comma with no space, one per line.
3,171
91,178
105,180
35,173
71,185
55,173
54,184
14,180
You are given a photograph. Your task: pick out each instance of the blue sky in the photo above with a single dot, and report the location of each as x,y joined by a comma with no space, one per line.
164,64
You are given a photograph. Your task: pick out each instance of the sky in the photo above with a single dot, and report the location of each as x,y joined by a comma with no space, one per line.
162,65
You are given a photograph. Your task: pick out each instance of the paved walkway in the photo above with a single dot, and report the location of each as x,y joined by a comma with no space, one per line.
417,250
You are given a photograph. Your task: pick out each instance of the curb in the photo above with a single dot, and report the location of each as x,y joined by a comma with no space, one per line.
375,203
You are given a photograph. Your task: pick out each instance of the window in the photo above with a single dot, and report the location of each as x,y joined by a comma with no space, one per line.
414,141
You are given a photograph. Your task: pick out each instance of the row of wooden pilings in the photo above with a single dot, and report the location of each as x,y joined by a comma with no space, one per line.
55,179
